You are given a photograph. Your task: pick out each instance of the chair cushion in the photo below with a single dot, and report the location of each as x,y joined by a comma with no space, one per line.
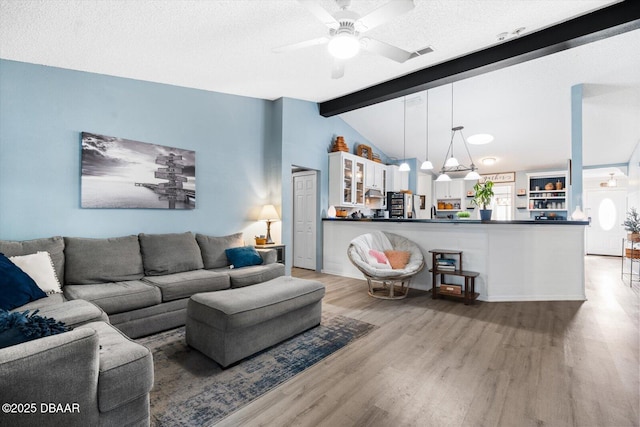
183,285
213,248
116,297
252,275
90,261
16,287
169,253
53,245
126,368
398,259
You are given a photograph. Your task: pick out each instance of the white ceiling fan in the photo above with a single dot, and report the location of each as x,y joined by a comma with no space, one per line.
346,29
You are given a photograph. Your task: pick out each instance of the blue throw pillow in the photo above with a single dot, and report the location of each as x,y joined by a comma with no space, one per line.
243,256
16,327
16,287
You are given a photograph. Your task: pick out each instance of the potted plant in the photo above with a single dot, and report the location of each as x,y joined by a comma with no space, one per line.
463,215
482,198
632,225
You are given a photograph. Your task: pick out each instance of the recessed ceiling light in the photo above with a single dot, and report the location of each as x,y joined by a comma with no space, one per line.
488,161
480,138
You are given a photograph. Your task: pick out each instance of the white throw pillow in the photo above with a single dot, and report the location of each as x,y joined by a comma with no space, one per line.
40,268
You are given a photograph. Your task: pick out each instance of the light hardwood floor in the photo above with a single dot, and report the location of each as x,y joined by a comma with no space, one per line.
440,363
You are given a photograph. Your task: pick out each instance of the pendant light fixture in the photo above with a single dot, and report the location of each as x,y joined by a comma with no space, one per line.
404,167
451,164
427,165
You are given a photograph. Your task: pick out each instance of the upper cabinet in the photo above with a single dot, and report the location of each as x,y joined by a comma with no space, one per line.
450,195
396,180
346,179
375,175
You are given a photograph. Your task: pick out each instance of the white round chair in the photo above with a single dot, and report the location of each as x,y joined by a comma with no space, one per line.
382,280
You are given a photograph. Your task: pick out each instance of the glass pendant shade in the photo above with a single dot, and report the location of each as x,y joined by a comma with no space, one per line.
451,162
443,177
426,165
472,176
404,167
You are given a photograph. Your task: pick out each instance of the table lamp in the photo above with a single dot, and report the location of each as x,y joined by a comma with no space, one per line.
269,214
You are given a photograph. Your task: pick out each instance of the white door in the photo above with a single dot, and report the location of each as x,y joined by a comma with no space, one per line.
607,211
304,219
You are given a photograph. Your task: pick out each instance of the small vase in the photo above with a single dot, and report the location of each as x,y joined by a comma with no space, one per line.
558,185
577,214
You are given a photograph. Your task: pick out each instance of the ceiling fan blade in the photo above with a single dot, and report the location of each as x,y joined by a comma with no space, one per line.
300,45
386,50
383,14
321,13
337,71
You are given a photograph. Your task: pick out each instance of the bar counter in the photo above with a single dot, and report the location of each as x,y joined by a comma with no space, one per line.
517,260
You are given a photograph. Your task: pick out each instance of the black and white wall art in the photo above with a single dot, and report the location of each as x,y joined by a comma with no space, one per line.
121,173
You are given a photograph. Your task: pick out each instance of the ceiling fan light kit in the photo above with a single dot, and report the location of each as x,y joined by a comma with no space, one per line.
346,28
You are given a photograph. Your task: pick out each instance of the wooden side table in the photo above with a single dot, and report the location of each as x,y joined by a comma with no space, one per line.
280,251
468,292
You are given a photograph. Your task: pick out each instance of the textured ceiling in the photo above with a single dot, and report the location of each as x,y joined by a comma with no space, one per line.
226,46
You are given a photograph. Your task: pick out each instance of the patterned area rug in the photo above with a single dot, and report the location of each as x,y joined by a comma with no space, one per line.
192,390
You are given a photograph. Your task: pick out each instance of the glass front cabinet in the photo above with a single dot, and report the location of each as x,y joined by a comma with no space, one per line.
346,180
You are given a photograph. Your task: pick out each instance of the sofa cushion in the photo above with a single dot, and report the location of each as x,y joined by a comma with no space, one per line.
53,245
116,297
40,268
239,308
91,261
16,287
126,368
254,274
213,248
187,283
73,313
243,256
169,253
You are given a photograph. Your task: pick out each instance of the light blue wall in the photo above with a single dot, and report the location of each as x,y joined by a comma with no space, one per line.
306,140
44,109
245,149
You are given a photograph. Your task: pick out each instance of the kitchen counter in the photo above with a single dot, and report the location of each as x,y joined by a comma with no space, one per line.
461,221
517,260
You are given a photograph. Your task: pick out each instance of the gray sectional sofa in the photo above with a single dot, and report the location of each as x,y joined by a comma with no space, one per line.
138,284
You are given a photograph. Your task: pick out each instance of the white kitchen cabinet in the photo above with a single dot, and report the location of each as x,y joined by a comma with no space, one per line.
375,175
449,195
346,180
396,180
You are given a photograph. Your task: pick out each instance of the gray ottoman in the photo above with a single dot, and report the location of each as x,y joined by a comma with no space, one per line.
232,324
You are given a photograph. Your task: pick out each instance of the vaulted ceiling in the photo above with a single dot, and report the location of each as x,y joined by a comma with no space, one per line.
227,46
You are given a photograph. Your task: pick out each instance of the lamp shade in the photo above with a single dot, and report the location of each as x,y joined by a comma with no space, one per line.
404,167
269,213
443,177
426,165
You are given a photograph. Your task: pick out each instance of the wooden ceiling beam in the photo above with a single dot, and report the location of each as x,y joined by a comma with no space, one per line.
610,21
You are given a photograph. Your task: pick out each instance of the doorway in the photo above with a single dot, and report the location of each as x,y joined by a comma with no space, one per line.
606,210
305,219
